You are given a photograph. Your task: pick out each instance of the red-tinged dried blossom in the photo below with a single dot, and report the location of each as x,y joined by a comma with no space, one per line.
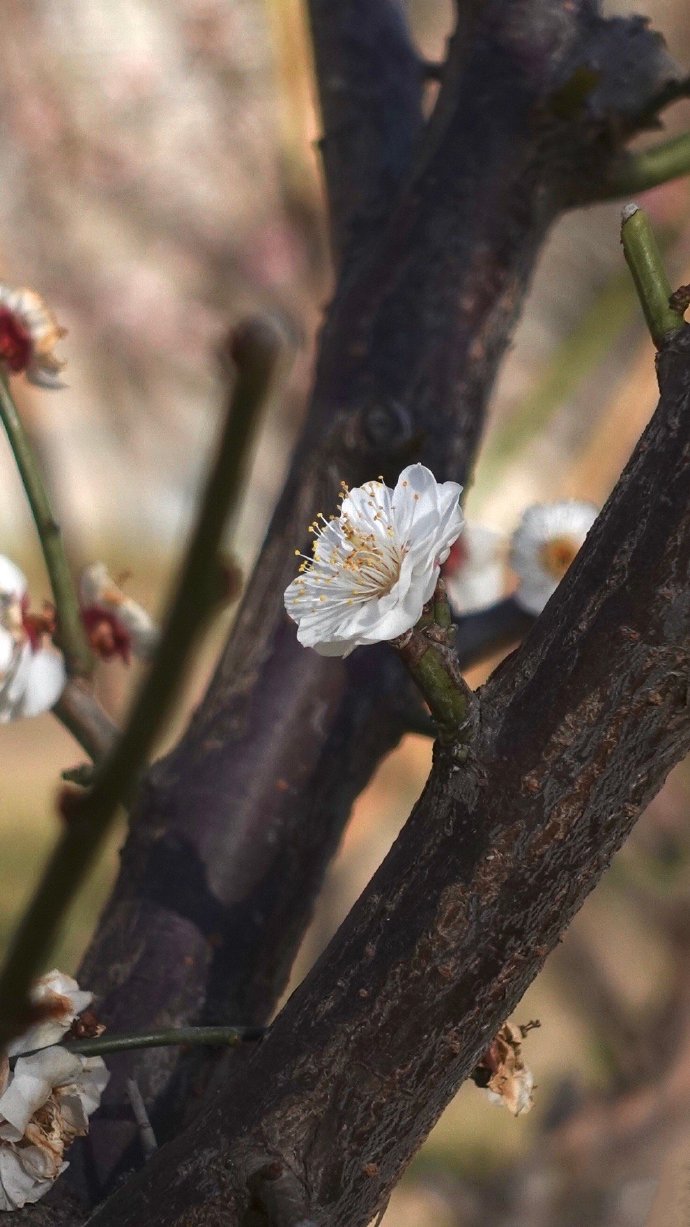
502,1072
116,624
29,333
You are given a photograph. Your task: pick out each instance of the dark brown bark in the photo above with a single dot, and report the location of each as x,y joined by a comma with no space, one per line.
232,833
370,91
578,731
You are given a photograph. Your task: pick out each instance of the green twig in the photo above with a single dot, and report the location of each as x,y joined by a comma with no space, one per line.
71,635
428,653
637,172
101,1045
648,272
89,815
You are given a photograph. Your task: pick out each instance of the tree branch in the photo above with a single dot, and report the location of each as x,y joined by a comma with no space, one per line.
370,84
579,729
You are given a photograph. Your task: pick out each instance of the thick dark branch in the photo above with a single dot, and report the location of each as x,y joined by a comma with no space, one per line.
370,84
579,729
233,831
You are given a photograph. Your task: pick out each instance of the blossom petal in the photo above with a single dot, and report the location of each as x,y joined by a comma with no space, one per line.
62,995
12,580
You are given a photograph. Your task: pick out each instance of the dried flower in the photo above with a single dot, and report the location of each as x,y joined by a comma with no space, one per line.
32,671
29,333
45,1103
376,564
59,1000
117,625
543,546
474,571
502,1072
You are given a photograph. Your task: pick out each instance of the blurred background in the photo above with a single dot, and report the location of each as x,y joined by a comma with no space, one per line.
159,178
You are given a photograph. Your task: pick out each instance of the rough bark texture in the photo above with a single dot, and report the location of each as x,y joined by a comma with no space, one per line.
578,731
232,832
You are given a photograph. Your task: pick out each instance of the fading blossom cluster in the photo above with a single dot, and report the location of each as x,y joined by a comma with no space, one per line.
375,565
32,671
47,1098
29,333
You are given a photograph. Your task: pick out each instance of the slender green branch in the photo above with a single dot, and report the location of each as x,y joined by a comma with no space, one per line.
637,172
125,1041
89,815
101,1045
648,272
72,637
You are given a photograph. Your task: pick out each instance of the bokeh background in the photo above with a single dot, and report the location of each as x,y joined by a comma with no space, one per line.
159,177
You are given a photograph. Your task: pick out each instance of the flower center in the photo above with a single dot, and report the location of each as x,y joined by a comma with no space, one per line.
373,567
15,341
557,554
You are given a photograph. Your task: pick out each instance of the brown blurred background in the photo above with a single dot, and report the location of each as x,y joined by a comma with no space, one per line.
160,178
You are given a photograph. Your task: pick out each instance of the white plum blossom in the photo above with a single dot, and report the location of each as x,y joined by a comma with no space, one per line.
45,1103
29,333
376,564
117,625
32,670
61,998
475,569
543,546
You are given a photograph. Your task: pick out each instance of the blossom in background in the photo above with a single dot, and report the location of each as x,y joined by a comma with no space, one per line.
32,671
375,565
29,333
543,546
44,1105
474,570
116,625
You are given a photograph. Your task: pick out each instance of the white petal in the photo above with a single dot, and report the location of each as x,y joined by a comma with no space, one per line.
14,681
19,1185
45,682
474,574
12,580
31,1085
